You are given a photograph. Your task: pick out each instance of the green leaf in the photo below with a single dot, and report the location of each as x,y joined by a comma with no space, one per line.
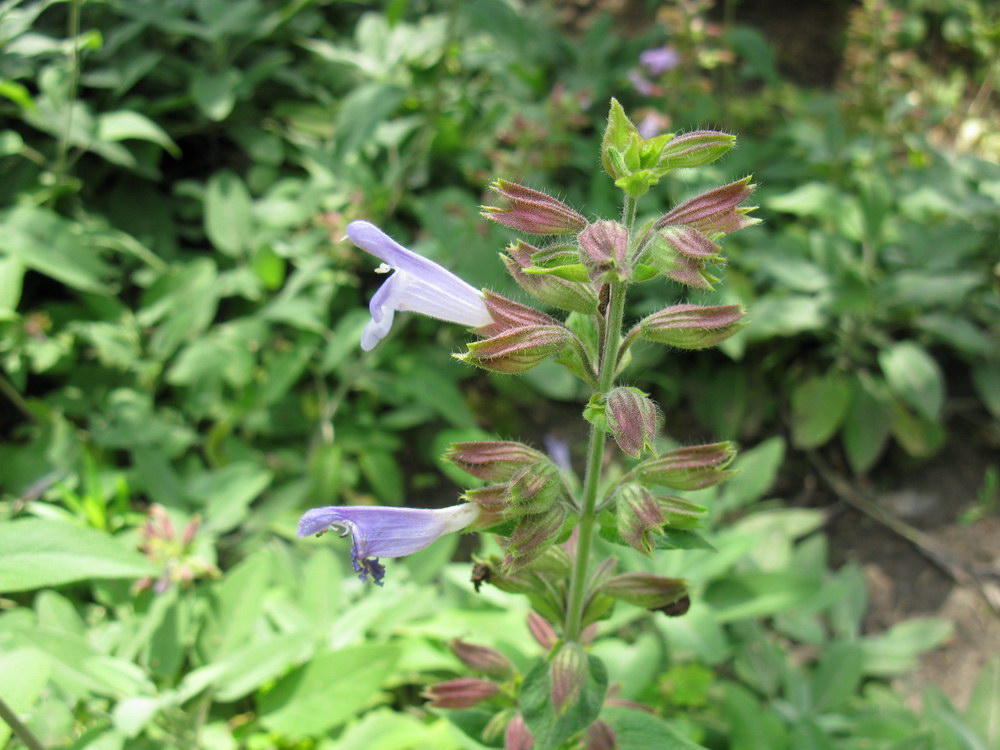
914,376
214,94
751,726
32,668
666,539
549,730
327,691
186,301
918,436
229,220
756,470
638,730
818,407
38,553
122,125
618,135
79,667
45,242
384,475
866,424
226,493
838,674
983,712
11,285
897,650
360,113
986,379
758,594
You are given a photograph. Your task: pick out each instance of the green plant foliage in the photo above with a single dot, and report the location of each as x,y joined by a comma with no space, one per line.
179,327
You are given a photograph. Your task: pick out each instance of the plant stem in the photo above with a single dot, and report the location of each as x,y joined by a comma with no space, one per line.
19,727
60,167
595,453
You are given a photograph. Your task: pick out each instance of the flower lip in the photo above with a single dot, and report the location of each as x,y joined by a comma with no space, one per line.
418,284
378,531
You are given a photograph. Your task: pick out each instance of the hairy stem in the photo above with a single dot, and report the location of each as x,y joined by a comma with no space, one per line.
578,594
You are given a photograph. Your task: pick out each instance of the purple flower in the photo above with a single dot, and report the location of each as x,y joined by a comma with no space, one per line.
418,284
660,59
642,84
377,531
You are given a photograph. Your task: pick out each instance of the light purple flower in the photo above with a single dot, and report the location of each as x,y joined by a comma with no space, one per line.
418,284
642,84
660,59
377,531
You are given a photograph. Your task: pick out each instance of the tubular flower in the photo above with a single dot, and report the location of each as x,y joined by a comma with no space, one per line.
377,531
418,284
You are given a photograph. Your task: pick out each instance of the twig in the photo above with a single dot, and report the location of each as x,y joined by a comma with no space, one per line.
961,571
20,728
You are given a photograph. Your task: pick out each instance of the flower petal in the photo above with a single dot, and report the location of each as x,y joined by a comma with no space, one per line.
378,531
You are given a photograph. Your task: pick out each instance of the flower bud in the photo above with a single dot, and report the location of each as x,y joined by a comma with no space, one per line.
493,502
632,419
604,250
516,350
600,736
482,659
695,149
645,589
493,460
714,212
679,513
568,674
508,314
639,516
533,534
692,326
464,692
548,288
517,736
534,488
542,631
532,211
692,468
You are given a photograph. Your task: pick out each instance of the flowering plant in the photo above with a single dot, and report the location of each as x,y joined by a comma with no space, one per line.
548,527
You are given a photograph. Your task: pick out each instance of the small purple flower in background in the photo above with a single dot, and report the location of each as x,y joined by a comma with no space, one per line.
642,84
660,59
378,531
558,450
418,284
652,124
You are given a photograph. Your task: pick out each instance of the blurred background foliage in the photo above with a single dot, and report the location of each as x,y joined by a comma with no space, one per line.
181,376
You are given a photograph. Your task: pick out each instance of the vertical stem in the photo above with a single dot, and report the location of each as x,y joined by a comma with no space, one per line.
20,729
595,452
59,170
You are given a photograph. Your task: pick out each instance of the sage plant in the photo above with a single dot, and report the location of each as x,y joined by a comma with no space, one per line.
547,526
